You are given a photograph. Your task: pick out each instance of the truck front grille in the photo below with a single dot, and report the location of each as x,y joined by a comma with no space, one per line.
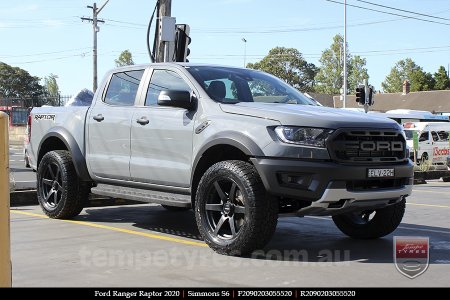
368,146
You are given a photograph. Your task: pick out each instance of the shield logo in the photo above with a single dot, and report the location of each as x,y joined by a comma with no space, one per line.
411,255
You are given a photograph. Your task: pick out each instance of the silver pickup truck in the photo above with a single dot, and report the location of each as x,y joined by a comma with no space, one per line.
238,146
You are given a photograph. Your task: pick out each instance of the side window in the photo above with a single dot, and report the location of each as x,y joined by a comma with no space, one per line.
443,135
423,137
163,80
123,87
435,136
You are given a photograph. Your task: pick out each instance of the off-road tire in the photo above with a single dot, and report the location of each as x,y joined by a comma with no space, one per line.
61,194
385,221
250,210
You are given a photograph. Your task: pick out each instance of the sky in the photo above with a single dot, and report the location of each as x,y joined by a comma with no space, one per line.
48,36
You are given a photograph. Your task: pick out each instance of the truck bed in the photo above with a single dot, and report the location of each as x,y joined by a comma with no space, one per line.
48,119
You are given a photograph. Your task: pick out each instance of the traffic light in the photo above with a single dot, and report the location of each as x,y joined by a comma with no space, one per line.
361,95
182,42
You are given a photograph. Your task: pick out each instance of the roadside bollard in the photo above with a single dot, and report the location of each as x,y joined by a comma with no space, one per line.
5,248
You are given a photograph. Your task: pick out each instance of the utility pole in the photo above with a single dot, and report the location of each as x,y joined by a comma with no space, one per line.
96,29
165,10
366,94
345,53
245,51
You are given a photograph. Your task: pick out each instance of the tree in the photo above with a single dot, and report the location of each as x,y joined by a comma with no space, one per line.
357,73
289,65
442,81
423,81
407,69
18,83
125,59
51,89
330,78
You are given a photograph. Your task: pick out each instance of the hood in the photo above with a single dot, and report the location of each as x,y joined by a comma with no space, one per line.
308,115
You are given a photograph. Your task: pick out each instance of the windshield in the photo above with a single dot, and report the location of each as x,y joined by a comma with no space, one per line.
233,85
409,134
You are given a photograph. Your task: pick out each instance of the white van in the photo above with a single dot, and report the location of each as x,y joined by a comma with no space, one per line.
433,140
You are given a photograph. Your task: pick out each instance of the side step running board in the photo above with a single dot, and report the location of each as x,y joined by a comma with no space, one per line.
142,195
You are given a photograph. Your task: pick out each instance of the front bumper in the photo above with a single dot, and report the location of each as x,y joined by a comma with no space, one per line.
333,187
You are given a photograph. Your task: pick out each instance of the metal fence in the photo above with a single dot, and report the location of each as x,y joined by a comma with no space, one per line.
19,109
34,102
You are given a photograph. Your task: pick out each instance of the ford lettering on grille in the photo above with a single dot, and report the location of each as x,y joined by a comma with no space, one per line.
374,145
368,146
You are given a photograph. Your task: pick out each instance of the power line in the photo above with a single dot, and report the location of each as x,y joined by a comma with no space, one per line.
262,31
268,30
83,54
365,53
402,10
404,49
127,23
31,20
44,53
124,26
255,56
389,13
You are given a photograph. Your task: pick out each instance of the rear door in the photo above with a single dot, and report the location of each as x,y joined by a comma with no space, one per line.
109,125
161,137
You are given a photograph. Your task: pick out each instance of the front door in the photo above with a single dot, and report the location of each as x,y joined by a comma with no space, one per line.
161,137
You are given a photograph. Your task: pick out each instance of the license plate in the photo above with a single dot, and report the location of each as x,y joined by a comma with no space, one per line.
375,173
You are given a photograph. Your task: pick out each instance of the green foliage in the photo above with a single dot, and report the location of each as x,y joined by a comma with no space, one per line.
289,65
51,89
125,59
18,83
330,78
407,69
442,81
421,81
357,73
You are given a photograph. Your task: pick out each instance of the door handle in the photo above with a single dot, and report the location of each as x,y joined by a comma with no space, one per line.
143,121
99,118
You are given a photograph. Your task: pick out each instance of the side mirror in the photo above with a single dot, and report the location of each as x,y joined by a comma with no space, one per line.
180,99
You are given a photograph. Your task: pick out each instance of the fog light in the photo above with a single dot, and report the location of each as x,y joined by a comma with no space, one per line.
295,180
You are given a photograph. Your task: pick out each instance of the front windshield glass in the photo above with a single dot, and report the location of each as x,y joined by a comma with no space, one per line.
233,85
409,134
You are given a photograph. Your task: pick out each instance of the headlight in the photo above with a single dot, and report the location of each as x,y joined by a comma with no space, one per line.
305,136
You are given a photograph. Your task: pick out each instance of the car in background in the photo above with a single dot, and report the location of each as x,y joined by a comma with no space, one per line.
433,141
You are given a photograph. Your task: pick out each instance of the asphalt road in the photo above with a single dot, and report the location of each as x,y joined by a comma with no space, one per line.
145,245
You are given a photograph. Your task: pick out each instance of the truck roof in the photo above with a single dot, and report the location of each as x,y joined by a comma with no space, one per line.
166,64
436,126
